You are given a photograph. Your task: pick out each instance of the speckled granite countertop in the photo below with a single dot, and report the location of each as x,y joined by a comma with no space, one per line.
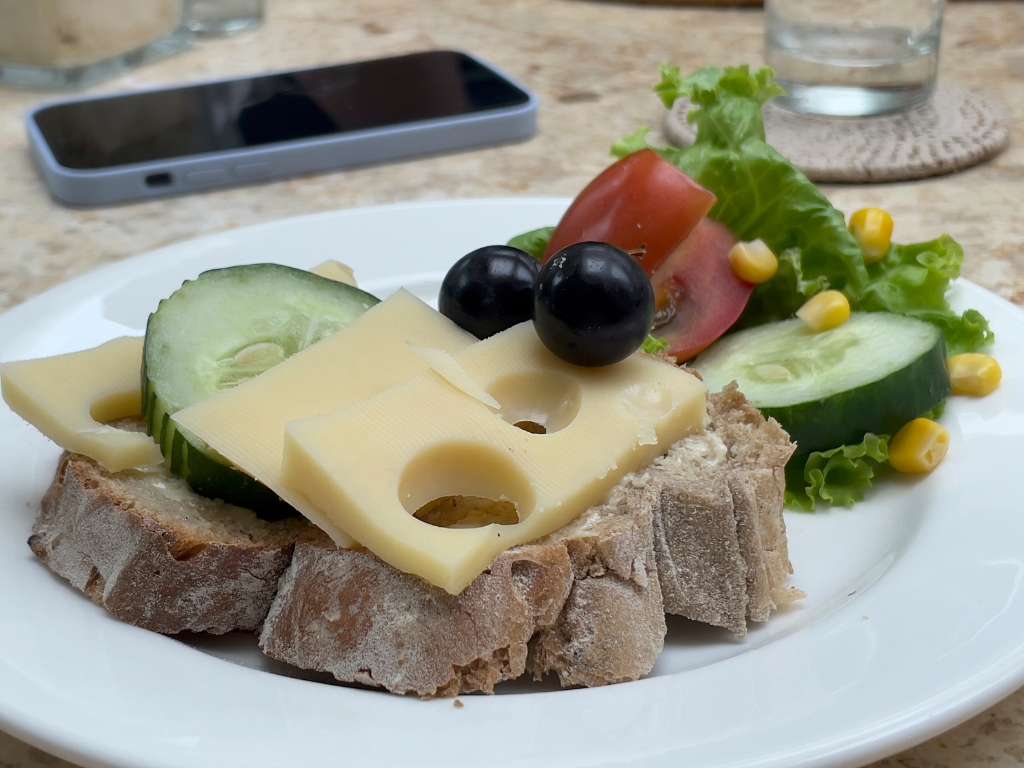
593,64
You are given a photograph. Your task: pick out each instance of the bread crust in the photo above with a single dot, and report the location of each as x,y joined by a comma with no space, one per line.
611,628
148,571
699,533
719,533
583,603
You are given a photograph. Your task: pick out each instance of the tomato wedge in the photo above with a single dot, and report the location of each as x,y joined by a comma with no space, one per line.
697,283
642,204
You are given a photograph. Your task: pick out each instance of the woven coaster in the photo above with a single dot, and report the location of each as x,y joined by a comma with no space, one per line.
956,129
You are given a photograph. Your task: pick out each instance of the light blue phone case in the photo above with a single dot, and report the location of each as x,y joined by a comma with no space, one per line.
190,173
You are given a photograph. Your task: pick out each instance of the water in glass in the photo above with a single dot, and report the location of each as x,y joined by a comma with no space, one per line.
853,57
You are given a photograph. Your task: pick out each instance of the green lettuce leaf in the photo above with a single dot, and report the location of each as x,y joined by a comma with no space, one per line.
913,280
935,413
789,288
653,345
840,476
728,101
634,142
534,242
967,332
761,195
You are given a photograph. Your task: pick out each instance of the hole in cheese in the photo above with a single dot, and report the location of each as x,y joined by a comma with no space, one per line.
474,471
544,399
532,427
112,407
73,398
425,439
467,512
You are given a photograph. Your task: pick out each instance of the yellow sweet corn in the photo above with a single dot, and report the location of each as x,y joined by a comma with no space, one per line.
873,229
825,310
753,262
919,447
974,374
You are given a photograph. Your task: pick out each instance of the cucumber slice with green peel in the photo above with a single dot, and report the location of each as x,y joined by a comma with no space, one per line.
874,373
215,332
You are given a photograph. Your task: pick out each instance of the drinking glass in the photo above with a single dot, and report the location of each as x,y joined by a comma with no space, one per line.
223,17
853,57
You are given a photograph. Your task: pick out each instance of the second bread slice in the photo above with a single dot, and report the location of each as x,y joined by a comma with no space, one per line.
587,597
699,533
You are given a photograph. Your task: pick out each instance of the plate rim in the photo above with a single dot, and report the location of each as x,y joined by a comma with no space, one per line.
985,687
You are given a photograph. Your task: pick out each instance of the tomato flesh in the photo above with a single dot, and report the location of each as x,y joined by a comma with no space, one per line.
642,204
697,281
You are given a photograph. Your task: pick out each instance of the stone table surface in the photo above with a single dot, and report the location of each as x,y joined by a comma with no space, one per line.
593,64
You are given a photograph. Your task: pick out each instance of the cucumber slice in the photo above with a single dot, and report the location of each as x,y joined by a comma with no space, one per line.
872,374
218,330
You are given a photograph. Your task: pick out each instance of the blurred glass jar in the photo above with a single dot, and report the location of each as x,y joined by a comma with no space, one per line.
212,18
73,43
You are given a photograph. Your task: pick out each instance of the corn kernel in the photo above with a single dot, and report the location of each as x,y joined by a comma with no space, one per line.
974,374
919,447
753,262
825,310
872,227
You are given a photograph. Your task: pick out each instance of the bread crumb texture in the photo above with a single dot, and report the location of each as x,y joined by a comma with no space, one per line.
699,533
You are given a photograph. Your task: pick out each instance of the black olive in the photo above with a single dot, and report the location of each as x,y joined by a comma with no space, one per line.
594,304
489,290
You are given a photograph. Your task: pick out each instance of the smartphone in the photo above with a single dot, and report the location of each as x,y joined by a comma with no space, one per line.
183,138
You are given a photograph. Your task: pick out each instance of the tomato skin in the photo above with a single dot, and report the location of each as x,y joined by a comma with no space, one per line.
708,296
640,202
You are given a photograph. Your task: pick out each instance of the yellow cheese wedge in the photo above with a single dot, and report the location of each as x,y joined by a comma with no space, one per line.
427,439
246,424
68,397
335,270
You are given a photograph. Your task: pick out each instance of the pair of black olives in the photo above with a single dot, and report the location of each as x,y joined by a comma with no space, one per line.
591,303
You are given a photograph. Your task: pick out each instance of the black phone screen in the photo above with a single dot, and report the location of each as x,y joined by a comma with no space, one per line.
249,112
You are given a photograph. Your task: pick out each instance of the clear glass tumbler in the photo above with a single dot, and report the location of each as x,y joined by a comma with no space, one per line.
214,18
853,57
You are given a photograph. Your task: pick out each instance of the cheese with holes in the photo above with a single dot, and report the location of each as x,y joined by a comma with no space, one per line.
337,271
70,397
246,424
427,440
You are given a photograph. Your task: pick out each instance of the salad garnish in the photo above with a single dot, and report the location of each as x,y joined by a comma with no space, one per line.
761,196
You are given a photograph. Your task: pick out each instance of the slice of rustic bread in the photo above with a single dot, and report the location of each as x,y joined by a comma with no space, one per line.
155,554
699,533
583,603
612,625
720,536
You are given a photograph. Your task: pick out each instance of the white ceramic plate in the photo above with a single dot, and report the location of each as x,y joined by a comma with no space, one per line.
914,619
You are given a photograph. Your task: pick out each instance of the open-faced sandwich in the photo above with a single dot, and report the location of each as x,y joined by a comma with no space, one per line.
525,482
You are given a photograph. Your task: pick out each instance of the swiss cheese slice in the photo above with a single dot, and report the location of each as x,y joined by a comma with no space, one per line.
69,397
246,424
448,368
429,439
